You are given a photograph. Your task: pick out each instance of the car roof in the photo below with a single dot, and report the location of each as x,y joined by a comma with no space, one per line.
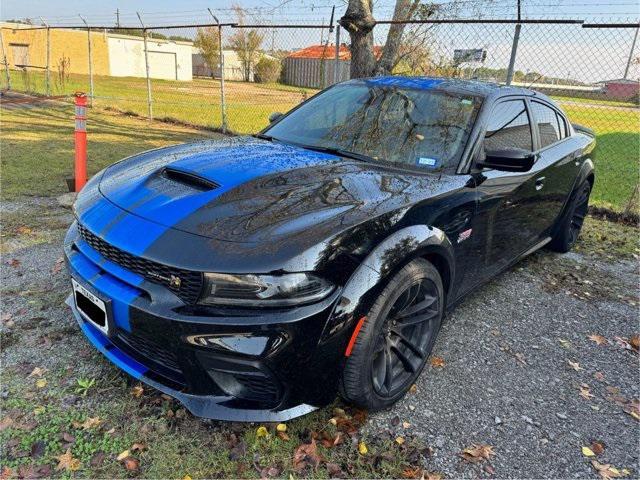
473,87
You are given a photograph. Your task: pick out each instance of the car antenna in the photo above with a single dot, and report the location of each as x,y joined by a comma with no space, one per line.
534,80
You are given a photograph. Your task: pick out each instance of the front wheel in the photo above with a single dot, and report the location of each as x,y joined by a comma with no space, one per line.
396,338
571,224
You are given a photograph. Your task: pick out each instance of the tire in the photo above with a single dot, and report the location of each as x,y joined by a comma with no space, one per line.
571,223
364,379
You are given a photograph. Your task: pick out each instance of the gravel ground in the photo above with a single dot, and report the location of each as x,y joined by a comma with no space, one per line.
505,381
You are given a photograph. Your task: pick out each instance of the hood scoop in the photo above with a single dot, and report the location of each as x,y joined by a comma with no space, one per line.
189,179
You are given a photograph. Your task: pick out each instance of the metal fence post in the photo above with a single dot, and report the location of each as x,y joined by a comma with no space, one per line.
4,60
514,51
145,34
223,109
633,47
47,73
90,61
336,65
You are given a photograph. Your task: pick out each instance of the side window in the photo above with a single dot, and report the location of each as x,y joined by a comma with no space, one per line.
547,121
563,126
509,127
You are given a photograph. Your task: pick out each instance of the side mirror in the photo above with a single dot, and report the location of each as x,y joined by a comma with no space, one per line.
275,116
508,160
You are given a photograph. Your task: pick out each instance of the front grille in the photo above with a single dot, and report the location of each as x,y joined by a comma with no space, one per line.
157,357
185,284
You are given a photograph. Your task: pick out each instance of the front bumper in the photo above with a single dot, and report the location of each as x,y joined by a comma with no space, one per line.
221,364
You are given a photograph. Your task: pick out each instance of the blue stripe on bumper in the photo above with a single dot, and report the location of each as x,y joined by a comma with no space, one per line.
108,286
114,354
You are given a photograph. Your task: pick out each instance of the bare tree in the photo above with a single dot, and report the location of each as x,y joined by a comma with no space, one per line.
404,43
246,43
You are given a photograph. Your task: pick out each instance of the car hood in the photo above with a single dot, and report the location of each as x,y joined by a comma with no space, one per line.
251,190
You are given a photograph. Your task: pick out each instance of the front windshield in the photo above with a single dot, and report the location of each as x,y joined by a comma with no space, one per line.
423,128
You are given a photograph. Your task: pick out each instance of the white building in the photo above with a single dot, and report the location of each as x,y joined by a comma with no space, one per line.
168,59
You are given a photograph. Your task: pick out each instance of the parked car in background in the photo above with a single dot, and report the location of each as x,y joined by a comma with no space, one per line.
254,278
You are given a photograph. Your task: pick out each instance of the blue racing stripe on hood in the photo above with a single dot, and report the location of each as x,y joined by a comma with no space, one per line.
138,186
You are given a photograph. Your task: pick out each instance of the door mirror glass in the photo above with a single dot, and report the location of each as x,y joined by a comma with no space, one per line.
275,116
508,160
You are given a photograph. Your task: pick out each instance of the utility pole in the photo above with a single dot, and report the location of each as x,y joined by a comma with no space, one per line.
118,17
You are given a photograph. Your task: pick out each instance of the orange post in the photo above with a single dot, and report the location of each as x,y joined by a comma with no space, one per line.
81,140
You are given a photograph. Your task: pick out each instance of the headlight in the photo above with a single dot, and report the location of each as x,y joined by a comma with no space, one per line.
263,290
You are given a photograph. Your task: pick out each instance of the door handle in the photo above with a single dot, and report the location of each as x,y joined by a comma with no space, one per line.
539,183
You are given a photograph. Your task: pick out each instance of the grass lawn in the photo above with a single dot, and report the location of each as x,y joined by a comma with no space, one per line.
38,145
249,105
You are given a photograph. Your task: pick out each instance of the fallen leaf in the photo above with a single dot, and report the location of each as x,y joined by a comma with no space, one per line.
362,448
138,447
38,448
67,462
6,473
57,266
306,454
399,440
597,447
607,471
90,422
14,262
599,339
137,391
477,453
6,422
432,476
37,372
186,477
599,376
437,362
131,464
283,436
123,455
281,427
413,388
585,392
41,383
23,230
406,424
262,432
412,473
575,365
334,470
587,452
634,341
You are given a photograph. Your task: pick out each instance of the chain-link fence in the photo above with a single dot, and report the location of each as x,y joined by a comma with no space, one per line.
232,77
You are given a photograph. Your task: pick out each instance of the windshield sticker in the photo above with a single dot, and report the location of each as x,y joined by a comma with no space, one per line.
428,162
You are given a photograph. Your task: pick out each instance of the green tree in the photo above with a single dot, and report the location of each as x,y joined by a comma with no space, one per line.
246,43
207,41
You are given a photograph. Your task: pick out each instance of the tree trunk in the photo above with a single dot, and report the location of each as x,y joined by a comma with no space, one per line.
359,22
403,10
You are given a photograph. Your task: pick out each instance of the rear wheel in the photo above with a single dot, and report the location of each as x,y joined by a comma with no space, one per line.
571,224
396,338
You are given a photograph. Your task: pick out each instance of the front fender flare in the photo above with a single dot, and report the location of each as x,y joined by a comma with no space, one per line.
381,263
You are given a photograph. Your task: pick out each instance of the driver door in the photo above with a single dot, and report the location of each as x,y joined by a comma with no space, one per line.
509,208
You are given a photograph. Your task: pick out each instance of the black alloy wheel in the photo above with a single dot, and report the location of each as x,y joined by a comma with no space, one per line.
396,339
404,338
571,224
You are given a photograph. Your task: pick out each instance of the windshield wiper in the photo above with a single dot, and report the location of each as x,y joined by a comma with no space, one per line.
340,152
264,136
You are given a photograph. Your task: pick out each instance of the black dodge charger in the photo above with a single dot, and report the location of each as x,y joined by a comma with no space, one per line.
254,278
